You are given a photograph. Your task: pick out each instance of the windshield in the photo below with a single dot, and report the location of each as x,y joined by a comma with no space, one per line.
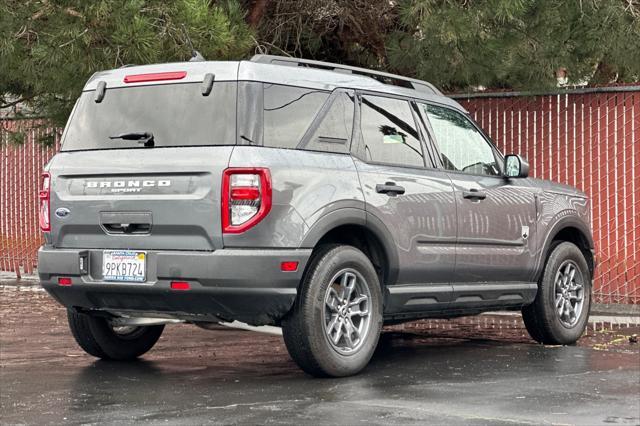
175,114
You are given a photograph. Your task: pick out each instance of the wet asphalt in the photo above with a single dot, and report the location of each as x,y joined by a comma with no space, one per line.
229,376
407,383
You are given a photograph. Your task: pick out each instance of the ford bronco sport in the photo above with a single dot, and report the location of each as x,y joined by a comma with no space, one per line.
325,199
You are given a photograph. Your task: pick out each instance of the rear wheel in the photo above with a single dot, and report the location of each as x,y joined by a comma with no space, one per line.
560,312
336,321
97,337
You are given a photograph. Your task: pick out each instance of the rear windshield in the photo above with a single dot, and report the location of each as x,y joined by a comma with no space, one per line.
175,114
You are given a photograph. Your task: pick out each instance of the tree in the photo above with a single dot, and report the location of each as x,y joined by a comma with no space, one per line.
461,44
517,44
49,48
345,31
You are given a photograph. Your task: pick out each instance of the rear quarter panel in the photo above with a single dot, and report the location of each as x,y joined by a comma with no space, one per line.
307,186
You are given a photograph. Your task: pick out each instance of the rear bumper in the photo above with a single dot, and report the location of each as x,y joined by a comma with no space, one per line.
230,284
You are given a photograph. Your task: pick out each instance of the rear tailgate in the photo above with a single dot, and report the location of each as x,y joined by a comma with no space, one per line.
142,159
159,198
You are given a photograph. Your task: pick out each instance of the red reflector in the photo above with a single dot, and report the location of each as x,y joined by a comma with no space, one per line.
245,193
289,266
64,281
156,76
180,285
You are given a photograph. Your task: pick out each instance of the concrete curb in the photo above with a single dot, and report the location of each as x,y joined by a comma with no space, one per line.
7,277
615,310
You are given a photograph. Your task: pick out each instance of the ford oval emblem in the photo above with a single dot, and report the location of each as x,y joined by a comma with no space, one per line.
62,212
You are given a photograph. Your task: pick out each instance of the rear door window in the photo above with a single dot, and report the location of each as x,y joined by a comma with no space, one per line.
288,113
389,132
176,115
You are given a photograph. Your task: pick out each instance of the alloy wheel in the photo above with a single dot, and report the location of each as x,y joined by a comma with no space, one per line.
569,293
346,316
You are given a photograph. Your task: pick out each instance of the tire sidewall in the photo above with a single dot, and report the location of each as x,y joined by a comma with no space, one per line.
560,332
121,348
334,363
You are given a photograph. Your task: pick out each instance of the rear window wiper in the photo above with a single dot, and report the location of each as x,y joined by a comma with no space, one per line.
142,137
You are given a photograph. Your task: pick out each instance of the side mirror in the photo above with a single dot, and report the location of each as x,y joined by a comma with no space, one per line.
515,166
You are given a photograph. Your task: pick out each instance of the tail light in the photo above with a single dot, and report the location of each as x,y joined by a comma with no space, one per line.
44,195
246,198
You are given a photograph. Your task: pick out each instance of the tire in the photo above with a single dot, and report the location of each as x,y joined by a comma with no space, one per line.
98,338
555,317
322,309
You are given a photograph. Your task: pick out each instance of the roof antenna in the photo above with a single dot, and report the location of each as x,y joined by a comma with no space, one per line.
195,55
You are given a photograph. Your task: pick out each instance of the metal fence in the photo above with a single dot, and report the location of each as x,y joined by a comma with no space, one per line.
20,168
588,139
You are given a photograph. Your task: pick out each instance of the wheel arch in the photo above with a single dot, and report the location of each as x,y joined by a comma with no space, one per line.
570,230
354,227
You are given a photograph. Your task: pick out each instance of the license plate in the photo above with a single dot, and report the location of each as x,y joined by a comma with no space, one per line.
124,265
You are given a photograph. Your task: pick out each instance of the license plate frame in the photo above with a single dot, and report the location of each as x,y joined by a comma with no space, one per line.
124,266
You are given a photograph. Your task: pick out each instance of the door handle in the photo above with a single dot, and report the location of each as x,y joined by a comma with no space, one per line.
474,194
389,188
127,228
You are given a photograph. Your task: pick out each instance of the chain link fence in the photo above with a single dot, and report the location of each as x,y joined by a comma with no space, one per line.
589,139
20,168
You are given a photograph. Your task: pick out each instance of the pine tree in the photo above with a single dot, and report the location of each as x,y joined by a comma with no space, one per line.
517,44
49,48
462,44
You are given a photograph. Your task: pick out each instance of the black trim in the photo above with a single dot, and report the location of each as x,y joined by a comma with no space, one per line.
333,219
425,136
255,306
553,231
417,298
381,231
404,302
357,217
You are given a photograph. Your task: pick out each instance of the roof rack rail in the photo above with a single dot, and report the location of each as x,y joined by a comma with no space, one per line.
383,77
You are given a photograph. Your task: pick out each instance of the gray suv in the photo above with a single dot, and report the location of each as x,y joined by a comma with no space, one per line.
325,199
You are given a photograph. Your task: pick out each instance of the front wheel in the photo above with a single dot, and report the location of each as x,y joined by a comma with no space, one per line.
336,321
560,311
97,337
